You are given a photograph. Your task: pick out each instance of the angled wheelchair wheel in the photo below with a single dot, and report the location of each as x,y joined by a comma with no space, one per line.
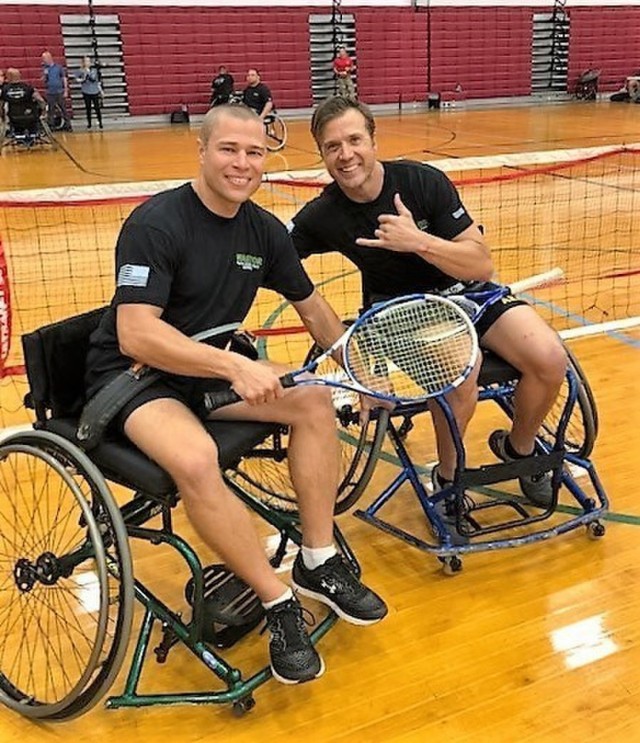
276,131
582,429
66,583
264,472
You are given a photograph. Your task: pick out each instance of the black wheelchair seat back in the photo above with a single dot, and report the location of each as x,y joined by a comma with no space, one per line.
55,360
55,357
24,117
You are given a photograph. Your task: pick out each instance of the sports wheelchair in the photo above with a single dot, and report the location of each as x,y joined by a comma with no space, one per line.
587,85
26,129
276,131
470,515
68,582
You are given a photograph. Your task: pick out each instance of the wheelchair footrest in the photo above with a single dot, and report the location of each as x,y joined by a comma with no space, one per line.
231,608
494,473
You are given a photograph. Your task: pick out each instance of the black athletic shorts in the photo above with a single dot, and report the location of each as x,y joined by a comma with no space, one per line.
187,390
493,312
490,315
190,391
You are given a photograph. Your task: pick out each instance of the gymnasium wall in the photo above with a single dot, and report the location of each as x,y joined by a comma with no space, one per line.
171,50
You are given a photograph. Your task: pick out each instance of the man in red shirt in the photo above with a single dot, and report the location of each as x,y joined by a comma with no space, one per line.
343,66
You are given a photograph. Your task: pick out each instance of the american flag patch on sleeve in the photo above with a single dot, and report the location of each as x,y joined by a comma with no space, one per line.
131,275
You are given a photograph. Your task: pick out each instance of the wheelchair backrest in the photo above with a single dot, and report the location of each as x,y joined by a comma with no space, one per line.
22,108
55,358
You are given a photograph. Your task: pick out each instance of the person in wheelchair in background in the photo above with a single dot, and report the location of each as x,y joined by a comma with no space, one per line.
257,95
221,87
403,224
191,259
24,107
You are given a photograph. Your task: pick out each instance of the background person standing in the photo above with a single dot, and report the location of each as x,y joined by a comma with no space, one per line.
57,92
91,89
343,67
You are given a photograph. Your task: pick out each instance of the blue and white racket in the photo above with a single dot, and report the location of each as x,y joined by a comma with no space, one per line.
405,350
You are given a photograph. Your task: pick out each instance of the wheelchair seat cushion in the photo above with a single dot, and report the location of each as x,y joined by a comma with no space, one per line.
495,370
122,462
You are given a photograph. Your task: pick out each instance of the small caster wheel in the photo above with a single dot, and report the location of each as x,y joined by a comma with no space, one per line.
242,706
595,530
451,565
161,654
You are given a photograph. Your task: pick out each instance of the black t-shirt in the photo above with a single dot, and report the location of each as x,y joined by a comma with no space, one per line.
19,96
201,269
256,97
332,222
222,85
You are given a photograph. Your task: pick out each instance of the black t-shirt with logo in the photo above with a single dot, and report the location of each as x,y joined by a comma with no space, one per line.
19,96
256,97
201,269
332,222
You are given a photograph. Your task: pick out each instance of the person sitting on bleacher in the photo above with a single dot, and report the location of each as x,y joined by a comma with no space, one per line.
257,95
24,104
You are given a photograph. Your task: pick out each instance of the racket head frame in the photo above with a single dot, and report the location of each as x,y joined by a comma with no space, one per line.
347,339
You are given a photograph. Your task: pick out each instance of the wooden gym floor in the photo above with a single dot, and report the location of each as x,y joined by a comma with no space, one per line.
540,643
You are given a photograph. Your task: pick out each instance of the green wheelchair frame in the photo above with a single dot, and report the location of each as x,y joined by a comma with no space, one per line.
63,527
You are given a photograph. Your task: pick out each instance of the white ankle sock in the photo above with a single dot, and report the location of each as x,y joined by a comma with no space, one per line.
286,596
313,557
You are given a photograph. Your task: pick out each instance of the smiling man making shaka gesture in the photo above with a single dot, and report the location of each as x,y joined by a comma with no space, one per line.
403,224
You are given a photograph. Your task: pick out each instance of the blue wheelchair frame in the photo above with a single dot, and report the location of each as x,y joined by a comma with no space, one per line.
550,455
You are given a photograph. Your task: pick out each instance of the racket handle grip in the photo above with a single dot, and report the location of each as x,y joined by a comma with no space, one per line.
215,400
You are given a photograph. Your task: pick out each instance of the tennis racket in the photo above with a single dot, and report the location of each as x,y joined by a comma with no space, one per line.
405,350
475,299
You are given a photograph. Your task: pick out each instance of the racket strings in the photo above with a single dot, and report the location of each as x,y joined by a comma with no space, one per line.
411,350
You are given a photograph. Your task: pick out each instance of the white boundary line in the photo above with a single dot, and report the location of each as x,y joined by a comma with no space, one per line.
603,327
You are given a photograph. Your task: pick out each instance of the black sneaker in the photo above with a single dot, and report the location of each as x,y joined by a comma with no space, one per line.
294,660
536,488
335,584
446,509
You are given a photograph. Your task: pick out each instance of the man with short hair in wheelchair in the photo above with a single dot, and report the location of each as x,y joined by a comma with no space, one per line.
403,224
191,259
24,105
257,95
